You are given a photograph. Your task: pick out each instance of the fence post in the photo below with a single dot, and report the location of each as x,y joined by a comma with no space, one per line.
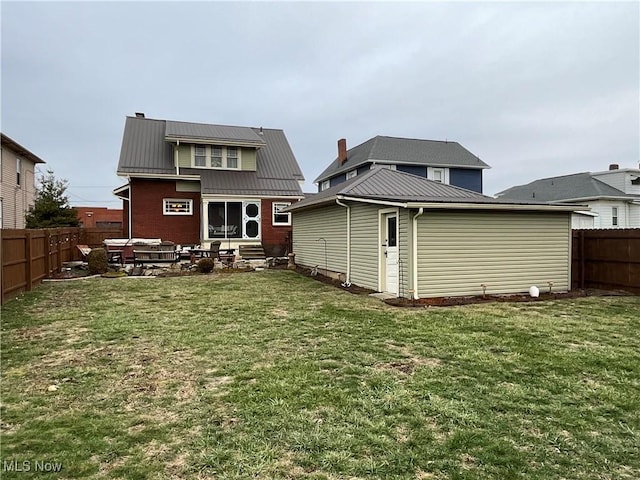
28,253
47,252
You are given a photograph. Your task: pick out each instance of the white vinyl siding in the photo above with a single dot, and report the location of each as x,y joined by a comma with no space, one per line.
507,251
604,209
364,245
310,226
404,244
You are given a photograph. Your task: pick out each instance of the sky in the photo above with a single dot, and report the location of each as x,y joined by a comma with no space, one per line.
534,89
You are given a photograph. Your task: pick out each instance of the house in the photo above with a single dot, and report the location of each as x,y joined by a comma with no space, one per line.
613,196
445,162
192,183
394,232
17,177
99,217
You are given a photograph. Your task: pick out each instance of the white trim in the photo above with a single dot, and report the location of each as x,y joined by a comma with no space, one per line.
381,232
431,171
159,176
224,157
351,174
167,201
414,253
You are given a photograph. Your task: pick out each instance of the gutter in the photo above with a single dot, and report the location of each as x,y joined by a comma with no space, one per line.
416,295
347,281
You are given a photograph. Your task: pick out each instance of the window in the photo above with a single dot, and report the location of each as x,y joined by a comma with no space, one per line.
440,175
200,156
173,206
232,157
18,170
352,174
614,216
325,185
216,156
281,218
234,219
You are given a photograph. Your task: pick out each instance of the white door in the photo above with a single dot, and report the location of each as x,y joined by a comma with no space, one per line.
391,253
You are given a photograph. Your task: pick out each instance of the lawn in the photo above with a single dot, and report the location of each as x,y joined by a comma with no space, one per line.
272,375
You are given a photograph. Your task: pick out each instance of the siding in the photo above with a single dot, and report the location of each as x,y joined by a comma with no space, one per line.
605,217
364,245
508,251
16,200
470,179
184,156
329,223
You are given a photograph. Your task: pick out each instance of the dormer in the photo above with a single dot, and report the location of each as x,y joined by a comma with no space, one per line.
213,147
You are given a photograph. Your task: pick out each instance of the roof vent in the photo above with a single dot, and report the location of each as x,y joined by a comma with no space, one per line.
261,132
140,114
614,166
342,151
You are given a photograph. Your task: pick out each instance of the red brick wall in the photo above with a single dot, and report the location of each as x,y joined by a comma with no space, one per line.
125,218
89,216
275,239
148,219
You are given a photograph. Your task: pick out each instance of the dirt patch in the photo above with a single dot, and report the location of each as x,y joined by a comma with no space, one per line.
453,301
334,282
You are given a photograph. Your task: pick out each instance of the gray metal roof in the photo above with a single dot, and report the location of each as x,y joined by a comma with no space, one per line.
221,133
406,151
563,188
383,184
146,151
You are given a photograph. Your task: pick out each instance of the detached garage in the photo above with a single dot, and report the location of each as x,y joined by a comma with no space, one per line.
412,237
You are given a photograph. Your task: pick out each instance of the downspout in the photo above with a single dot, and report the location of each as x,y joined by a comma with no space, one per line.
130,210
177,157
415,252
347,280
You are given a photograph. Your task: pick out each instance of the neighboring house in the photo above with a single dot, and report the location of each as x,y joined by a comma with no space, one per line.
409,236
613,196
17,177
99,217
445,162
193,183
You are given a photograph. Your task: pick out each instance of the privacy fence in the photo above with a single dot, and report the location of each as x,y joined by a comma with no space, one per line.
29,256
606,259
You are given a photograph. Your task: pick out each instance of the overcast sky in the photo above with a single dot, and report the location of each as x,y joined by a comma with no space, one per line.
533,89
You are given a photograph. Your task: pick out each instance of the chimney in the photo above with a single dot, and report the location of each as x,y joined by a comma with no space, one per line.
342,151
614,166
140,114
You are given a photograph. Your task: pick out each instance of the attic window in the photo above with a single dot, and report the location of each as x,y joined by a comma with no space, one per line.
216,156
352,174
635,181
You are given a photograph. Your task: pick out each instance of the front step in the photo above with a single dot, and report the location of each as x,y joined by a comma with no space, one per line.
248,252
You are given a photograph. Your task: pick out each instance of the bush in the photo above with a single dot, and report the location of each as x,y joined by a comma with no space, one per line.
97,260
205,265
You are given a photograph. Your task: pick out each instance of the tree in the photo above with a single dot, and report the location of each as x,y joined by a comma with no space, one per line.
51,208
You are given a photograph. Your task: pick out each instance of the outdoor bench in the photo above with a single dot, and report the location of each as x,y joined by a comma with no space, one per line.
140,257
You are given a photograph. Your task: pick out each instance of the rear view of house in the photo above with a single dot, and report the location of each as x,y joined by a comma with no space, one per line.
192,183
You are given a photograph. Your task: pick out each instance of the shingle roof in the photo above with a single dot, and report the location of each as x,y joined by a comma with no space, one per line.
407,151
19,149
564,188
391,185
146,151
222,133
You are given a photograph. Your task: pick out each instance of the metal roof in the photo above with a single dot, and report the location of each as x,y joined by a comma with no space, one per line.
19,149
385,185
564,188
405,151
145,150
221,133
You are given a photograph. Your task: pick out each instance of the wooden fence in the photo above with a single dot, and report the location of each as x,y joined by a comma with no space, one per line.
607,259
29,256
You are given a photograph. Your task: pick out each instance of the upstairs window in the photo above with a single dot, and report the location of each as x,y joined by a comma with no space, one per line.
18,170
280,218
216,156
351,174
614,216
325,185
440,175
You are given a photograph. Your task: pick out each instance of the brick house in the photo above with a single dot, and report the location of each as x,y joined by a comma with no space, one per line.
193,183
17,182
99,217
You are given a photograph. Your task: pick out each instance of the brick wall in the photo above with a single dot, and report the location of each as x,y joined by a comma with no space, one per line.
90,217
148,219
275,239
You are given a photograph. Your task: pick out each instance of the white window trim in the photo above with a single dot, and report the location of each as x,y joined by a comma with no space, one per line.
208,150
351,174
615,217
18,172
445,174
325,185
275,211
167,201
242,200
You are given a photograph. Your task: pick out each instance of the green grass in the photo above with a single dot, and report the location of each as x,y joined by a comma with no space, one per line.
273,375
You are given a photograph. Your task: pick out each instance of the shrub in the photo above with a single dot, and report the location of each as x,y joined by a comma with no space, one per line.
97,260
205,265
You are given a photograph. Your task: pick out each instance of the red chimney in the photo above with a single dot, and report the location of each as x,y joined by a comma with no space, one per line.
342,151
614,166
